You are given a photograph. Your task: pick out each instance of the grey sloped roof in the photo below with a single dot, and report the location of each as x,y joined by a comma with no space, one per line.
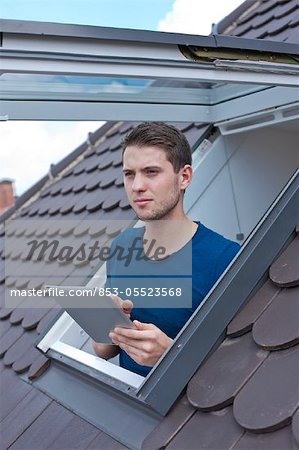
275,20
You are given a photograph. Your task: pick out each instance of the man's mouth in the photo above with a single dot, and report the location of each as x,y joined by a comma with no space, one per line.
142,201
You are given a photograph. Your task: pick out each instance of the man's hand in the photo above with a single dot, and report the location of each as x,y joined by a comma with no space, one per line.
108,351
125,305
144,345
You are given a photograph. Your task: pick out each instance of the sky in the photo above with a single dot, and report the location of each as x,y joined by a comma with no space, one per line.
29,147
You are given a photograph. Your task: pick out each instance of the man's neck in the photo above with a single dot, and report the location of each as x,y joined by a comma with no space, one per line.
169,234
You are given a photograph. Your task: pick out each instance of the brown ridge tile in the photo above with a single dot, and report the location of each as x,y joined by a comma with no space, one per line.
244,320
285,270
38,367
22,416
21,346
295,427
278,326
12,335
208,431
218,381
76,435
269,399
278,440
43,431
176,418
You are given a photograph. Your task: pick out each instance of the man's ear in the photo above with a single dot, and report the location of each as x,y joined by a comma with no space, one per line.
186,176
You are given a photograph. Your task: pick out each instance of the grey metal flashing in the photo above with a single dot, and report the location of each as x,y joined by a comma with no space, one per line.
141,36
116,414
186,354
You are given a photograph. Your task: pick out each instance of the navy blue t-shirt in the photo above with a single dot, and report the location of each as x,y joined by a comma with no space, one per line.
193,270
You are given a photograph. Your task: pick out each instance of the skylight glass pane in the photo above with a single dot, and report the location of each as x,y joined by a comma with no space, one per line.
32,87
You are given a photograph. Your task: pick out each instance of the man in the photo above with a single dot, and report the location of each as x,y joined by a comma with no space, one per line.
157,171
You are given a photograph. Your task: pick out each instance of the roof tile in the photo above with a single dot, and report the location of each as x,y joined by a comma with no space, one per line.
10,338
21,346
11,392
217,382
278,440
176,418
285,270
22,416
43,431
208,431
244,320
268,400
23,363
77,434
284,310
295,426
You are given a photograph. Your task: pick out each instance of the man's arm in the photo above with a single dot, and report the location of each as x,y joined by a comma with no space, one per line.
106,351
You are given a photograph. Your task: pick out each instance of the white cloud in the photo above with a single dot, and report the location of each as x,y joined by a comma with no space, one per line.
196,16
28,148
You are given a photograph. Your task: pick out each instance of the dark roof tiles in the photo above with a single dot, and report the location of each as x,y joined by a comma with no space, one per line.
176,418
208,431
270,398
278,440
220,379
285,270
266,20
244,320
295,427
283,310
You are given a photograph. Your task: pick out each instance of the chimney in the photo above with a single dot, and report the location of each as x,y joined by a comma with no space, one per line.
7,198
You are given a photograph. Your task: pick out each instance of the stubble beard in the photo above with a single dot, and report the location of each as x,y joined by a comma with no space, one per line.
163,210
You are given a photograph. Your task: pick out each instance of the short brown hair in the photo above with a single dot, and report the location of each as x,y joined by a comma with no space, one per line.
165,136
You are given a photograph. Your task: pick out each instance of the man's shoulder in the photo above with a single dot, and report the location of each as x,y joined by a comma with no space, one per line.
214,241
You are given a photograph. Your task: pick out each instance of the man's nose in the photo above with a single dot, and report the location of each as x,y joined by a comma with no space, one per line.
138,183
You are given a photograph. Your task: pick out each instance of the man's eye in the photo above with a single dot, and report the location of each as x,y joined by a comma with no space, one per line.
152,172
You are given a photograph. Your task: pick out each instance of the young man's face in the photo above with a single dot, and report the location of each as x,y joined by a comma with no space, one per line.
153,188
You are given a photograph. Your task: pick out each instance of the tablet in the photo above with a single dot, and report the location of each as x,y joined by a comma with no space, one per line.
97,316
